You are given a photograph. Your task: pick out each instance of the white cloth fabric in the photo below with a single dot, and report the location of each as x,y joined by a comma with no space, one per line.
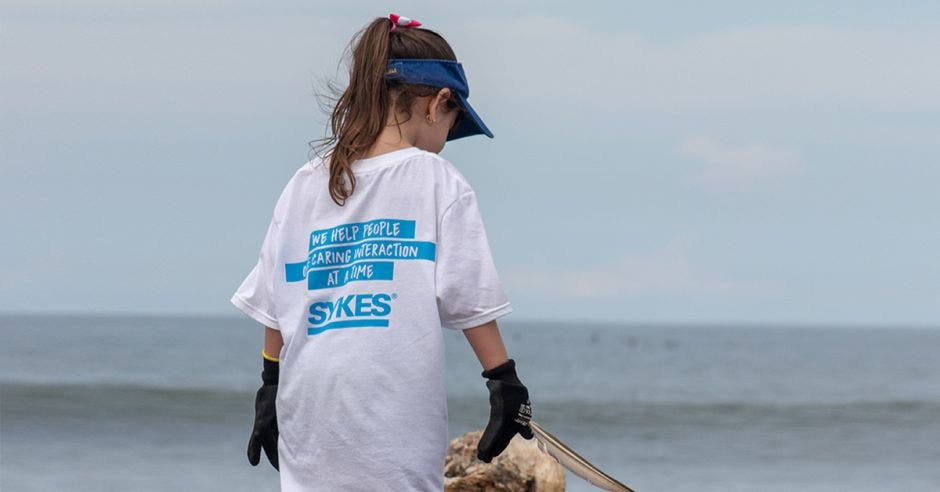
360,293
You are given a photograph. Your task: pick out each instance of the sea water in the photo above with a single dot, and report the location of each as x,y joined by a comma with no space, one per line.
166,403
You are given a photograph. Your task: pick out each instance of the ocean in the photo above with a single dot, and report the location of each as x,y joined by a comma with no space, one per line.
166,403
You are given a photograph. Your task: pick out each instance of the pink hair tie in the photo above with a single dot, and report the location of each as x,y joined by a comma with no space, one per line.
398,20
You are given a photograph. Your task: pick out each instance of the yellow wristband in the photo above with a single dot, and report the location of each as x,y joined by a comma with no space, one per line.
268,357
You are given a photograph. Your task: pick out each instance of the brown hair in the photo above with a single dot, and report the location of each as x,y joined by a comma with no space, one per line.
360,112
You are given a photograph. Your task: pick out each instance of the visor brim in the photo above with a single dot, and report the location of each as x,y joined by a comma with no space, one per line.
470,123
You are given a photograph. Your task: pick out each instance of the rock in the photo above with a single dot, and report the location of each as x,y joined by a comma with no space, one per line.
521,467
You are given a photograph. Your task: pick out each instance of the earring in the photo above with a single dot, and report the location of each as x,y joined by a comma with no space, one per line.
430,121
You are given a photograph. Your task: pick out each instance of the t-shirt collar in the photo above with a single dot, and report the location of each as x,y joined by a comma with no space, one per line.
382,160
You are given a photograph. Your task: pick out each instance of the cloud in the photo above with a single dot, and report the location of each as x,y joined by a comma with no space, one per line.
767,66
168,58
729,166
177,64
667,272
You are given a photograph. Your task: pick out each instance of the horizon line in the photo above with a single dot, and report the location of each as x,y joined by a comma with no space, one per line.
521,320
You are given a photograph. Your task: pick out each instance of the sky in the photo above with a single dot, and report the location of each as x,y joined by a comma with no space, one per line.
701,162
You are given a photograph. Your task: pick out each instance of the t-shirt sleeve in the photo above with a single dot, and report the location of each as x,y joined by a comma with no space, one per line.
469,292
255,295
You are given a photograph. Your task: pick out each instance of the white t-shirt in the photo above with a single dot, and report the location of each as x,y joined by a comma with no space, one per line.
359,294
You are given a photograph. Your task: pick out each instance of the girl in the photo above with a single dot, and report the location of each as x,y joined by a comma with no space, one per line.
370,251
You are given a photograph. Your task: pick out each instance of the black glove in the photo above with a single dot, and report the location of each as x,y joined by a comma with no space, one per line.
510,411
264,435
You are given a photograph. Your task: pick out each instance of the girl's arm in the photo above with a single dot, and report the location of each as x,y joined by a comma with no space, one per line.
272,342
487,344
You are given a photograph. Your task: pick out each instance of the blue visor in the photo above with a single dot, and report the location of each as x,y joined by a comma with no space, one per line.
441,73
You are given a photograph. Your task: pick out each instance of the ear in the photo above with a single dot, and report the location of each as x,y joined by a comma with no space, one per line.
437,101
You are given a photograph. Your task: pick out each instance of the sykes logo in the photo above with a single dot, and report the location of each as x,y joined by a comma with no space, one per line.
351,311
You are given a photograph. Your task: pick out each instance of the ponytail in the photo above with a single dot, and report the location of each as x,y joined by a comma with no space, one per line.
360,112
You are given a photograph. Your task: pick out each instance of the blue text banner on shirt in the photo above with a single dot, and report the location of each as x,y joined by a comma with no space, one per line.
354,252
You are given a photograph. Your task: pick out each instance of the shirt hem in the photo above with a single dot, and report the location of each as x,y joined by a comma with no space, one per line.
254,313
474,321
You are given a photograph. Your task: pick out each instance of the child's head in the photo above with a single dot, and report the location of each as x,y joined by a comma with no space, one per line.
376,106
